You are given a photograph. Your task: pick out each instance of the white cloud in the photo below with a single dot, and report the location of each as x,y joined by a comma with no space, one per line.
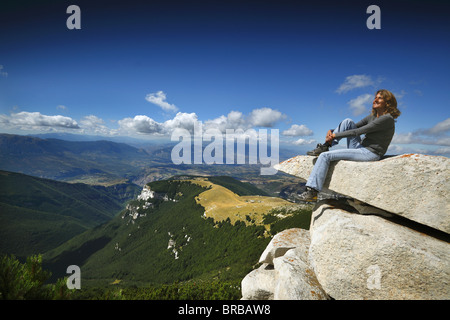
302,142
355,81
265,117
3,73
394,149
443,151
61,107
403,138
298,130
159,98
235,117
140,124
143,124
443,141
94,124
418,148
400,95
182,120
359,104
441,127
92,121
234,120
413,138
437,135
36,120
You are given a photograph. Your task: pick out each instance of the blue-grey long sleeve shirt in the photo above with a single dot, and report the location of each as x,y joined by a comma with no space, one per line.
378,132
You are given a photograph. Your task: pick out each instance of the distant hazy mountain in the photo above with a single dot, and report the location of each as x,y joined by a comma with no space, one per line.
106,162
83,137
69,160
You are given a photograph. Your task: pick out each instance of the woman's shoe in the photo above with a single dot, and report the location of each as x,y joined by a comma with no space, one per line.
318,150
309,195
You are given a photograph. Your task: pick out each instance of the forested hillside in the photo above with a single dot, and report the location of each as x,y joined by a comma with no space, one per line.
38,214
164,237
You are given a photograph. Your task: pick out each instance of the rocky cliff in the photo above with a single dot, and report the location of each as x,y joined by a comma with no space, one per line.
389,240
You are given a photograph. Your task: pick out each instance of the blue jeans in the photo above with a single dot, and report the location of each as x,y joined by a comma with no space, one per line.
354,152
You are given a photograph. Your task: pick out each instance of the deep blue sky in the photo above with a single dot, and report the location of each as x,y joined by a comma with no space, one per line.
295,65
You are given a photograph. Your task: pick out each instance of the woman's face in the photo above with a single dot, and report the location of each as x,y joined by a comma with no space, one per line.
379,104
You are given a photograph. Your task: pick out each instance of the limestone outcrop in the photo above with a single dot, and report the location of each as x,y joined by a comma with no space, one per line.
367,257
285,273
389,241
414,186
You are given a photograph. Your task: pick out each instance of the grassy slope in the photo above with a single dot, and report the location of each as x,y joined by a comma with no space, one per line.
221,203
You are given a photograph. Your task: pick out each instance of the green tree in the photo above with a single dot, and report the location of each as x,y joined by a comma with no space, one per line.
22,281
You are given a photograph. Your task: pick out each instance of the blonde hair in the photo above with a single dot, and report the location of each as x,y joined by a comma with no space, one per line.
391,103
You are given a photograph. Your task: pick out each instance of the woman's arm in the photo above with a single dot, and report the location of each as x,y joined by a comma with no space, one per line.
331,136
364,121
381,123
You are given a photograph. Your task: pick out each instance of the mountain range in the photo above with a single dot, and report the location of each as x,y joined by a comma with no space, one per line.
95,161
104,162
87,203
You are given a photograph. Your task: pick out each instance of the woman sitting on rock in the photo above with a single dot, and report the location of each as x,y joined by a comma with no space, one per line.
378,128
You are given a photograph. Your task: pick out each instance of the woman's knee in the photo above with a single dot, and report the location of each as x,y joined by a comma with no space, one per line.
349,122
345,125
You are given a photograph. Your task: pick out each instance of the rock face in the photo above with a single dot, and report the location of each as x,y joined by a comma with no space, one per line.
285,273
357,251
284,241
414,186
367,257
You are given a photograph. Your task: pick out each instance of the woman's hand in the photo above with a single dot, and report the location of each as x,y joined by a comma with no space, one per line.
330,136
